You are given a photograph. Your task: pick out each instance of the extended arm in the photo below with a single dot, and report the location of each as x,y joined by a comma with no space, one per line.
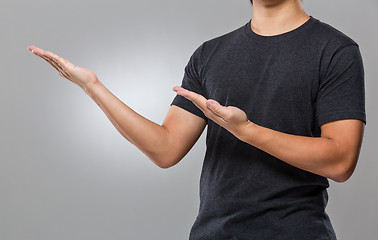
333,155
164,144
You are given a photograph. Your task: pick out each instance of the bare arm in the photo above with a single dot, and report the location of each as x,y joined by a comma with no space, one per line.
164,144
333,155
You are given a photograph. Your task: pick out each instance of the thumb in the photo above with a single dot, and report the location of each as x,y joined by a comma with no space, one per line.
215,107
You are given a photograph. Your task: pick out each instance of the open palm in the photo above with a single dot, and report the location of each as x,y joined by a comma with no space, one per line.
81,76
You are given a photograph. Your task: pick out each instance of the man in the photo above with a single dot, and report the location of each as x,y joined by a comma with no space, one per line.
283,99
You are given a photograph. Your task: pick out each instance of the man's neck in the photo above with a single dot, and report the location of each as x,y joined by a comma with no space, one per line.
273,17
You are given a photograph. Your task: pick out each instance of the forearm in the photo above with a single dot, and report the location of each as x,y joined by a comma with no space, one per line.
333,155
151,138
318,155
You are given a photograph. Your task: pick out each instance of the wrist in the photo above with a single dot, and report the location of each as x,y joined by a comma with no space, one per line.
246,131
91,88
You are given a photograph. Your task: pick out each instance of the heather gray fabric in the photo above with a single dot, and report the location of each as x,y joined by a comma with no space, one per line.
293,83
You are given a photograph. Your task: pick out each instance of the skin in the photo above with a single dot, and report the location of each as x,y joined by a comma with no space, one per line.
164,144
333,155
273,17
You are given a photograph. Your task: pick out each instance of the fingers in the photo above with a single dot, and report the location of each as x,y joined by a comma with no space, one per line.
61,65
201,103
196,98
62,72
52,56
50,62
218,109
31,48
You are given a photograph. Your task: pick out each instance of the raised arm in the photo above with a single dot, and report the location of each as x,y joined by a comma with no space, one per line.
164,144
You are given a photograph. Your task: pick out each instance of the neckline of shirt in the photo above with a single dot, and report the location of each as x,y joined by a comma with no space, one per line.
257,37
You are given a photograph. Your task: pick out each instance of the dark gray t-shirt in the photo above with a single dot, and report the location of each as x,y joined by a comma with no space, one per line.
292,83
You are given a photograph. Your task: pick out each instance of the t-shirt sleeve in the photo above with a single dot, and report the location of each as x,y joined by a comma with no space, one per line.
341,93
191,81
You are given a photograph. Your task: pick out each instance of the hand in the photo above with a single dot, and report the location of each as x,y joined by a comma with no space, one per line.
231,118
81,76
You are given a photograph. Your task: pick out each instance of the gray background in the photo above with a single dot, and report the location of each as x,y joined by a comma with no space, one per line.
66,173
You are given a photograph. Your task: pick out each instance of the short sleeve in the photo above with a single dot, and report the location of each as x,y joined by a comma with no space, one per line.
341,93
192,82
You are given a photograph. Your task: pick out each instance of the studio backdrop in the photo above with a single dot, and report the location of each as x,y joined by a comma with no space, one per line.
65,171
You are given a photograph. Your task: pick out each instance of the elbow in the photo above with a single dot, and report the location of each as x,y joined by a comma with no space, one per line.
163,160
164,163
342,172
341,177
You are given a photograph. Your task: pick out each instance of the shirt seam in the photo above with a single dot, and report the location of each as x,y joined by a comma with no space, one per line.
343,111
